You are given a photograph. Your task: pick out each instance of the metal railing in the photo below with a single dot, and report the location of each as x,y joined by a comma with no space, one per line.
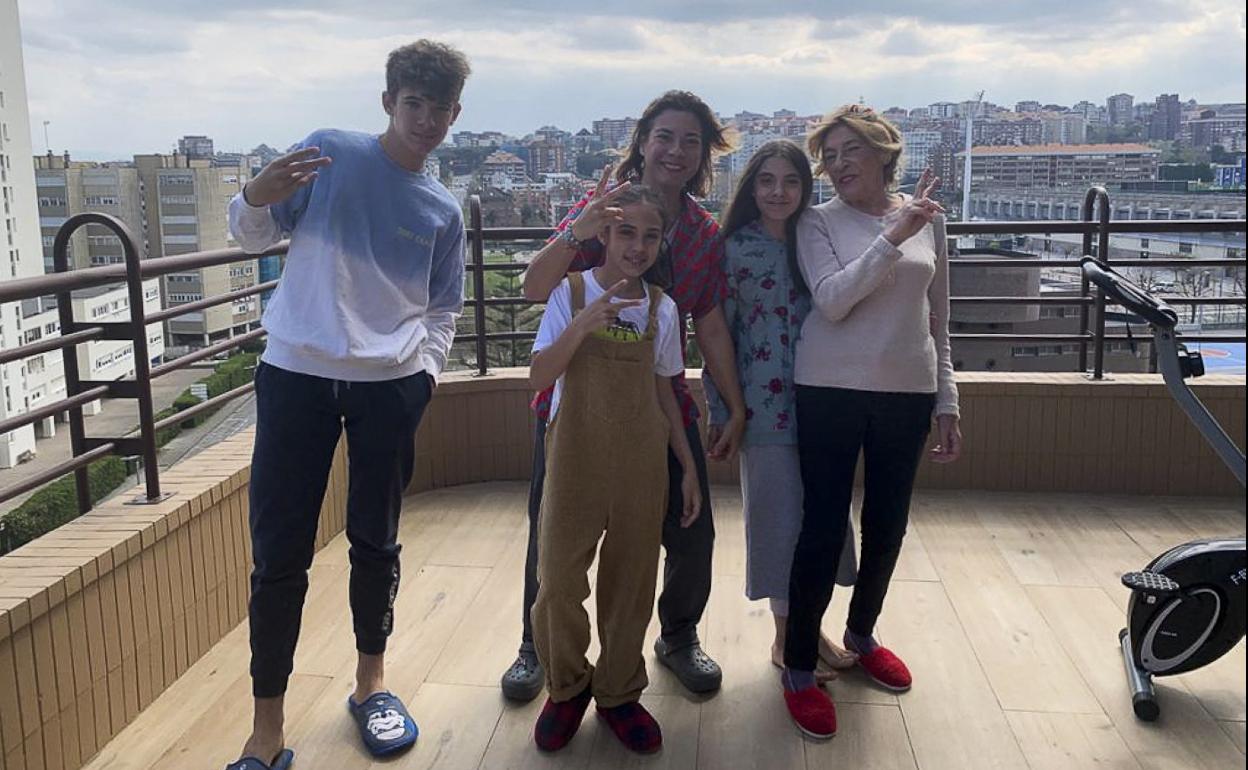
79,392
1091,332
133,272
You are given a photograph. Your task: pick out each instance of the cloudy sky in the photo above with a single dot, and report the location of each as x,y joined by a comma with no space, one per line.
145,72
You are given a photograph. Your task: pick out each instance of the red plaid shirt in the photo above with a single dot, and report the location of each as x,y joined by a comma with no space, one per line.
698,284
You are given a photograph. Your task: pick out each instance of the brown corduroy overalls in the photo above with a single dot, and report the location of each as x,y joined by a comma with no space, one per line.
606,478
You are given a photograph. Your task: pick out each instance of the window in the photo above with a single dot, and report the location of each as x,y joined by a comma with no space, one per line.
1025,351
1048,311
1186,248
180,298
101,200
48,200
1144,243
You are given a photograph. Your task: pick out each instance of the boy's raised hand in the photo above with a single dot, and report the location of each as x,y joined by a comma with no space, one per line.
280,179
599,211
602,312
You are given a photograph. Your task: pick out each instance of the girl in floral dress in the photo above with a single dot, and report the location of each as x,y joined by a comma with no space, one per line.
767,301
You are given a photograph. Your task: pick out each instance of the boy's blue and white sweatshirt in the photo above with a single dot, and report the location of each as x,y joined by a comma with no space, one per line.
374,278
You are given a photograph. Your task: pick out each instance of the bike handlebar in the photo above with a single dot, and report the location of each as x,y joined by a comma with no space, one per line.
1130,296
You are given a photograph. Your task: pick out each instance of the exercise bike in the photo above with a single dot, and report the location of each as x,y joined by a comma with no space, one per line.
1187,605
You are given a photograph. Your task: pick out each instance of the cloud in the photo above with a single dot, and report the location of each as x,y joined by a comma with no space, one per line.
148,71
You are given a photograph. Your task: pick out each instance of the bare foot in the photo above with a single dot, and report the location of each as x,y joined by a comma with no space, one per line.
835,656
268,736
823,674
265,748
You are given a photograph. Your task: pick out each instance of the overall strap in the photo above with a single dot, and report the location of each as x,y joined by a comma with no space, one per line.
576,282
652,323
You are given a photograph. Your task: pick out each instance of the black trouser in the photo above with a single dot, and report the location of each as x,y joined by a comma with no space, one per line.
299,419
687,567
833,426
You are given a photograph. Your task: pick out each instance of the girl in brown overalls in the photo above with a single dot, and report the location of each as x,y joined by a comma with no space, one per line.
609,352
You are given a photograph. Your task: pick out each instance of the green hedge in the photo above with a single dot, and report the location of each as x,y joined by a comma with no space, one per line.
57,503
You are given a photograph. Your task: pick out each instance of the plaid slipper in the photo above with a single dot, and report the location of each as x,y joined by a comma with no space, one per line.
634,726
559,721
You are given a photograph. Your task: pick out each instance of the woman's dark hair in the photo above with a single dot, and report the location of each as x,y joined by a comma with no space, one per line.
715,139
743,209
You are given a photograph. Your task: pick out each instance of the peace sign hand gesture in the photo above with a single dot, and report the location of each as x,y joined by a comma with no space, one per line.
602,312
916,213
599,211
280,179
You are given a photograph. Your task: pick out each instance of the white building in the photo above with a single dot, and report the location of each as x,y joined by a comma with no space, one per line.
106,360
1064,128
919,144
21,248
747,145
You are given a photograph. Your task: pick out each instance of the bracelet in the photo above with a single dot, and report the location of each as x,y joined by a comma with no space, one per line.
569,237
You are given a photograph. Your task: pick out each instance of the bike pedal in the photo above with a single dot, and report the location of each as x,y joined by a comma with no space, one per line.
1153,583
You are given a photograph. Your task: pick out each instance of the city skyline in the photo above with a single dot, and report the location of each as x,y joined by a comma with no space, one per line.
534,66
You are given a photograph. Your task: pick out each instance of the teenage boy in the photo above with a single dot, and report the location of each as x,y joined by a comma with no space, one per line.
359,330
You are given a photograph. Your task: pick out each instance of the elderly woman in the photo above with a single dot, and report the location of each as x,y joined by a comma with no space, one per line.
872,371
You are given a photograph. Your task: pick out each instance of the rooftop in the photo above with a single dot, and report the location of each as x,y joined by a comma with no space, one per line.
124,639
1005,606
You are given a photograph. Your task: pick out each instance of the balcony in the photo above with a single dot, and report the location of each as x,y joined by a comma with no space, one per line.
122,643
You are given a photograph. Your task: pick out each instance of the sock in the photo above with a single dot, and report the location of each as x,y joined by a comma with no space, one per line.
863,645
795,680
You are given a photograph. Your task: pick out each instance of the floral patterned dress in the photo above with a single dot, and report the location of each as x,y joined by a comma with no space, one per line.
764,312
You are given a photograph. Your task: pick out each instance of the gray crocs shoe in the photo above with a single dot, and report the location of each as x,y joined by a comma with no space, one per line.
524,680
693,667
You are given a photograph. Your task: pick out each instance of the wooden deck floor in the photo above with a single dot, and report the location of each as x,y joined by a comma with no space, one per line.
1006,608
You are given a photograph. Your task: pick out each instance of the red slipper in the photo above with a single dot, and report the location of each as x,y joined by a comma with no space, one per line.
813,712
886,669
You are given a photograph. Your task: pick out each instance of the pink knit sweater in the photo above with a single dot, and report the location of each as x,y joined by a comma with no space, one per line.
881,313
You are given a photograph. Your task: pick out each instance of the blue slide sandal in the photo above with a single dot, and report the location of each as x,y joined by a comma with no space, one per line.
283,762
385,726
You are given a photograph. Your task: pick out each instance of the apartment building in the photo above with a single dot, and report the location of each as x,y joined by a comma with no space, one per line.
187,201
67,187
20,322
1057,165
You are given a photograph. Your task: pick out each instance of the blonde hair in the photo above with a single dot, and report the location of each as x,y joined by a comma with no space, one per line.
874,129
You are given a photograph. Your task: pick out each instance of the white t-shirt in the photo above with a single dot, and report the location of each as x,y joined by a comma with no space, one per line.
668,360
